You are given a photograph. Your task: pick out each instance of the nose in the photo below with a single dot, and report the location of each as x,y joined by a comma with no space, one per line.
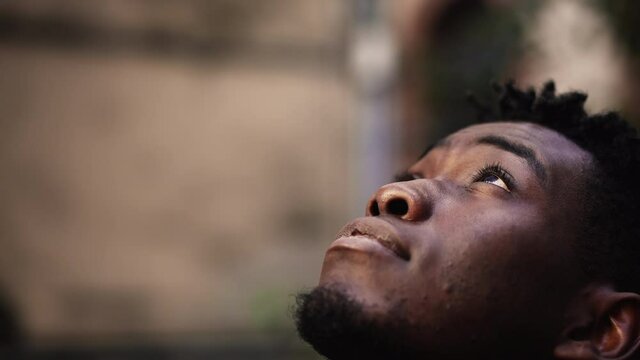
406,200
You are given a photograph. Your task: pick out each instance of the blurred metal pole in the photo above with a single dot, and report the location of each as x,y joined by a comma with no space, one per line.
373,131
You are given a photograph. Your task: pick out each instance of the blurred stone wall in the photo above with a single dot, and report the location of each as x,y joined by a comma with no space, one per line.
169,167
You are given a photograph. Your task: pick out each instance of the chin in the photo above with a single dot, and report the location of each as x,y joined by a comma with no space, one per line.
339,327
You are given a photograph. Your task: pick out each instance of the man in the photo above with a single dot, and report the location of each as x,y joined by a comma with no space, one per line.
513,239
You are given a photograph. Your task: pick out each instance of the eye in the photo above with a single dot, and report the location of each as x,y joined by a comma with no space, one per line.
495,175
495,180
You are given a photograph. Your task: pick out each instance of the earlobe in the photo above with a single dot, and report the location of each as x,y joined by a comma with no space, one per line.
604,324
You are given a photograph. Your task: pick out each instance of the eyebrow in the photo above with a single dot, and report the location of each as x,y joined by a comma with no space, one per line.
517,149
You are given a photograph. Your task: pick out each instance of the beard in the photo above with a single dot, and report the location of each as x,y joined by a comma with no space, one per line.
338,327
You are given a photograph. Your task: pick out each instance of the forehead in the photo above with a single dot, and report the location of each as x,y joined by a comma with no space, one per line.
548,145
523,131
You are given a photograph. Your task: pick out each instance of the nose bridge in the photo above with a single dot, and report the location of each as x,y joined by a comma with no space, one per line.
408,200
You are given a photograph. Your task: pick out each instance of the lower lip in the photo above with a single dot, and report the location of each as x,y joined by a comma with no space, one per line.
359,244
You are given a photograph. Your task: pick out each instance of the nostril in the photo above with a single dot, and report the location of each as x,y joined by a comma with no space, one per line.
373,208
397,207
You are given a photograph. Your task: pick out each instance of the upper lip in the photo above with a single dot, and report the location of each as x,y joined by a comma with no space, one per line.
378,230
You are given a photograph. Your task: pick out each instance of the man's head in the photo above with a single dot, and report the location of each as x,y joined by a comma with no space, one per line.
511,239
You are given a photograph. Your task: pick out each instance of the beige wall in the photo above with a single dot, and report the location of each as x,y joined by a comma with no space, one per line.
162,194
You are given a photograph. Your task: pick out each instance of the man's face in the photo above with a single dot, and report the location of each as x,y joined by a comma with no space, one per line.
472,252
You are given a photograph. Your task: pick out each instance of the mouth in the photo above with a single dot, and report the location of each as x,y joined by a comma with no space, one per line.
376,230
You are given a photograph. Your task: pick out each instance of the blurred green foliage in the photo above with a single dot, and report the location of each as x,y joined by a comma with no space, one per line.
269,310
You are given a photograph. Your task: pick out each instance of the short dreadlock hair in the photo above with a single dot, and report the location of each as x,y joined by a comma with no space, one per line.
609,246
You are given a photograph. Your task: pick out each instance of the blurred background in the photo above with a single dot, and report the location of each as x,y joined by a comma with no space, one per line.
172,170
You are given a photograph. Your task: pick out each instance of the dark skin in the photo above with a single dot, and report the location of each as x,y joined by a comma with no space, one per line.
475,246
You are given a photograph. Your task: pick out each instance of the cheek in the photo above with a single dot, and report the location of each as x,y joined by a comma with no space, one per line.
493,259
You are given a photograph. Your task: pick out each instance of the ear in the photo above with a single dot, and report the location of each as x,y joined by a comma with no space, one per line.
603,324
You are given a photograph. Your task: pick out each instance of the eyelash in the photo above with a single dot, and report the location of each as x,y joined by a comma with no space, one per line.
495,169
